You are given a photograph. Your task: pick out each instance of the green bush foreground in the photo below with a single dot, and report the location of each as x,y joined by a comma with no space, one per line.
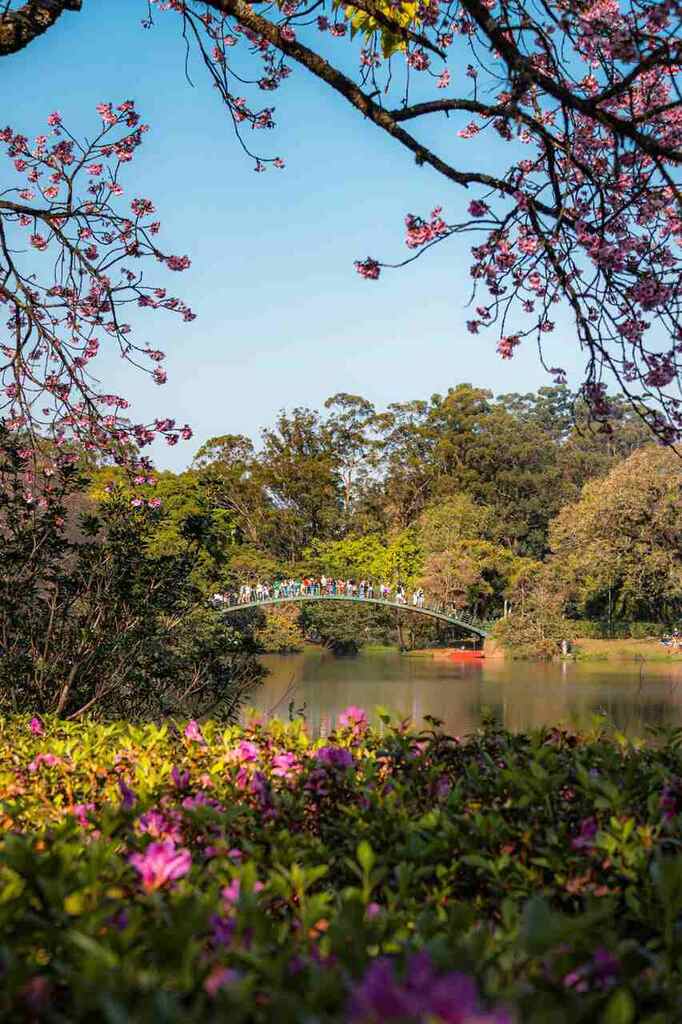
202,874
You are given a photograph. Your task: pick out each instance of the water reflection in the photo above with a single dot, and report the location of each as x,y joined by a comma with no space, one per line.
520,695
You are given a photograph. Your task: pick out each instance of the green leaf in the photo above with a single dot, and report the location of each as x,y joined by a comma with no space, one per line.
620,1008
365,855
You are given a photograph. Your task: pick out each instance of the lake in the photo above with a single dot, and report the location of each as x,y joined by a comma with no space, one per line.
520,695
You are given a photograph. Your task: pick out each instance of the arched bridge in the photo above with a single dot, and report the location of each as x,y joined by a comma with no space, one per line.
433,613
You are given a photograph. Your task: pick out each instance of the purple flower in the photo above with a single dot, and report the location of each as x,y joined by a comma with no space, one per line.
443,788
223,929
421,995
585,838
36,726
128,798
668,801
180,779
161,863
335,757
193,732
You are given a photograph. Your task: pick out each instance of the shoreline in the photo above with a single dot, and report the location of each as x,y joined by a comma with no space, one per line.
583,651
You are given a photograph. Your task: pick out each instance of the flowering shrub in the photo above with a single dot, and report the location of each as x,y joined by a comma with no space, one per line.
202,873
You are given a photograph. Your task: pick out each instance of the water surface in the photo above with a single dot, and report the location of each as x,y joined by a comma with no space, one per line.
520,695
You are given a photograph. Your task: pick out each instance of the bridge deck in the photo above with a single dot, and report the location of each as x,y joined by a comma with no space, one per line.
300,598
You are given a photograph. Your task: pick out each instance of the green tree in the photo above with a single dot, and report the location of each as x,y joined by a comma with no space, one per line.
462,567
618,549
90,621
301,476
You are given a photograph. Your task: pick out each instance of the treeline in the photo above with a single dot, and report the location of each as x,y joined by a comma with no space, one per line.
516,504
514,510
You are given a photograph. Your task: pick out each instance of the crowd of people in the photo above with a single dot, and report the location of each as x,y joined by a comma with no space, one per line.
324,586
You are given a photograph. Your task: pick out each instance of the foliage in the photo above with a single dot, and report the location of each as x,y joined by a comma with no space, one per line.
280,632
536,626
344,628
90,621
463,568
617,551
206,873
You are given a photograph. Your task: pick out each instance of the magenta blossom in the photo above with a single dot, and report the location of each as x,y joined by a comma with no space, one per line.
245,753
285,765
161,863
220,977
49,759
80,813
353,718
335,757
160,826
193,732
36,726
232,892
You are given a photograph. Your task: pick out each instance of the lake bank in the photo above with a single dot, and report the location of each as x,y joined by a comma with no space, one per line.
636,650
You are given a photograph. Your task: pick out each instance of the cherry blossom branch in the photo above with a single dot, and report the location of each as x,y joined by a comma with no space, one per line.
57,311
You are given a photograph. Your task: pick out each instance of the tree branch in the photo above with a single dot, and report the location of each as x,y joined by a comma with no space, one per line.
19,28
384,119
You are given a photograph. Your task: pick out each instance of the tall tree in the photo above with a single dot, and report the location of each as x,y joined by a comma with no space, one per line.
301,476
618,550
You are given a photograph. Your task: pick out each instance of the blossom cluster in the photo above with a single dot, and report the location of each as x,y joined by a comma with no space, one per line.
75,241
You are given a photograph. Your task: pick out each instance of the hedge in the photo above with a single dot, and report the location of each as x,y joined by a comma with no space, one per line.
204,874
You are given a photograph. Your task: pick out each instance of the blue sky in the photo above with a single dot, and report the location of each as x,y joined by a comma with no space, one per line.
283,319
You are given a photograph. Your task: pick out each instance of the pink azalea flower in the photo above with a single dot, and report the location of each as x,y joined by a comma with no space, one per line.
193,732
232,892
245,753
161,863
353,718
49,759
285,765
220,977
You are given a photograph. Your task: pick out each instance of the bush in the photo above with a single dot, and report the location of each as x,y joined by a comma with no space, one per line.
252,875
90,621
589,629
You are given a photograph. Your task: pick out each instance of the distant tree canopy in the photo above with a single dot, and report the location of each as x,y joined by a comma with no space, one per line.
461,494
617,551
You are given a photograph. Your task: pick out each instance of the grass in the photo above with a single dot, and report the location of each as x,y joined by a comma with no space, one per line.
625,650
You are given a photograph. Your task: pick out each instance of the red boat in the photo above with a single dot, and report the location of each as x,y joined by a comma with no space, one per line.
464,654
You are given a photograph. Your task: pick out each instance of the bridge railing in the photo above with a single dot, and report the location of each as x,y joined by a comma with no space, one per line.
316,594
